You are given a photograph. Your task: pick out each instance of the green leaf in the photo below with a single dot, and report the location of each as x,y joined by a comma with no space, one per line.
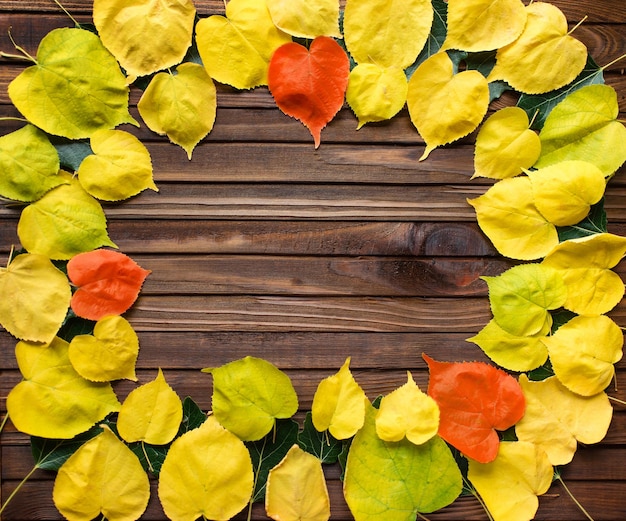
595,222
50,454
436,36
150,456
320,444
193,416
71,151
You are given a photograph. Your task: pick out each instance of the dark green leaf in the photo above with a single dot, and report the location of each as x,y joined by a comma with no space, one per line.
71,152
560,318
436,37
74,326
343,456
320,444
193,416
595,222
150,456
541,373
50,454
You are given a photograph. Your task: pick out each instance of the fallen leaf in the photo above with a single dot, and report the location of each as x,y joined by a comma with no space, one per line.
323,445
304,19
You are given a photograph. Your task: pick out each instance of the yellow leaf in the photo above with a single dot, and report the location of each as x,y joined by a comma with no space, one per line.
109,354
407,412
102,477
375,93
53,400
505,145
145,35
510,484
513,352
181,105
296,489
556,418
207,472
119,167
306,19
483,25
585,265
583,352
339,404
545,57
389,34
236,49
445,106
35,298
508,216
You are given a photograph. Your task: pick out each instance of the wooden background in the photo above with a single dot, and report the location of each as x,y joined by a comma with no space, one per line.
264,246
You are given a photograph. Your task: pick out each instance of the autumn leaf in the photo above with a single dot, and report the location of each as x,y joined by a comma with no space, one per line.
339,404
102,477
556,418
475,399
72,64
545,57
304,19
108,283
445,106
145,36
109,354
310,84
53,400
207,472
296,489
249,395
36,297
181,105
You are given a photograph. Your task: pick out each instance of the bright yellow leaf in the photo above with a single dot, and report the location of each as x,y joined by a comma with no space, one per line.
109,354
236,49
102,477
389,34
339,404
375,93
510,484
557,418
407,412
296,489
583,352
53,400
119,167
145,35
181,105
508,216
513,352
505,145
483,25
445,106
306,19
35,298
207,472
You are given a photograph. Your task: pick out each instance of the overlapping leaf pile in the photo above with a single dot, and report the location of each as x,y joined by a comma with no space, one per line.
65,293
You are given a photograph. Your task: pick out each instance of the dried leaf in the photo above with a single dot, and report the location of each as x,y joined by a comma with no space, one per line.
304,19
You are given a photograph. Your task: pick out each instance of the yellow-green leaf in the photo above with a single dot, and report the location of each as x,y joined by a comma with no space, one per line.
207,472
236,49
35,298
145,35
545,57
180,105
389,34
557,418
483,25
339,404
249,395
564,192
583,352
72,64
64,222
445,106
119,167
510,484
505,145
583,127
102,477
508,216
29,164
407,412
53,400
305,19
296,489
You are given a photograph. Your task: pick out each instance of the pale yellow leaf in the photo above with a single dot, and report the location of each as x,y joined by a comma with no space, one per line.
306,19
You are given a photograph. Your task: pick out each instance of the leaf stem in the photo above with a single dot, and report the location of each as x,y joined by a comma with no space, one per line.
24,56
577,25
619,58
475,493
12,118
420,516
67,13
145,454
569,493
4,422
17,489
621,402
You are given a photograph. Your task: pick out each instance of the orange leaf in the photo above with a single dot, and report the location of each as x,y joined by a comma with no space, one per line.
310,85
474,399
108,283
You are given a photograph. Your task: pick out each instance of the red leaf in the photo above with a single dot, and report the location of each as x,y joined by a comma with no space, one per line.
108,283
474,400
310,85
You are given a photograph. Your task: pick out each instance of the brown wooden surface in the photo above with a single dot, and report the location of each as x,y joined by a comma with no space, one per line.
264,246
